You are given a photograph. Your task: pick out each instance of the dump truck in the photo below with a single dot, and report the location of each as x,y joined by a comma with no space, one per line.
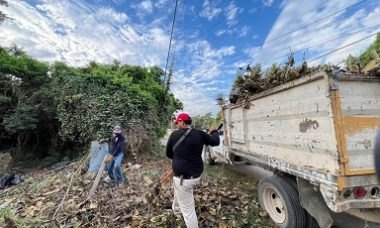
317,135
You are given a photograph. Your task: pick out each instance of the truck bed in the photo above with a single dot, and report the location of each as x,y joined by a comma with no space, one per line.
320,127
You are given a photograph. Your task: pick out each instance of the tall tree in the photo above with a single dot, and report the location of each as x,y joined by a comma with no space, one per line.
23,108
203,122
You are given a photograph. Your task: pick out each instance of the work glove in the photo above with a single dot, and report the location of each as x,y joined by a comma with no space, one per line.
108,159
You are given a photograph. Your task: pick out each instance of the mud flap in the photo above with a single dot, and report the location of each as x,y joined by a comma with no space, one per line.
313,202
377,154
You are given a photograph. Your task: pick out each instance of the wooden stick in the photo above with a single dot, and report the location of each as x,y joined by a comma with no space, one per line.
64,197
82,162
167,176
97,179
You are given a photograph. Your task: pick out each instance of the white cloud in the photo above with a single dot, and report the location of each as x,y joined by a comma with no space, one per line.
118,2
224,51
244,31
220,32
252,52
160,3
209,11
76,32
240,32
147,6
196,101
268,2
283,4
111,15
198,83
144,8
312,38
231,14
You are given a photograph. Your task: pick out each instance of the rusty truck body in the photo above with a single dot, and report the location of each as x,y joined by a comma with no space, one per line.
317,135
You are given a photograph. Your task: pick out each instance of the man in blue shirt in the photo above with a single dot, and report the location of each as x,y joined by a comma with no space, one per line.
117,142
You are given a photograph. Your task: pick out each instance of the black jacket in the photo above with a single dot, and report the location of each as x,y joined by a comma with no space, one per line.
117,144
187,159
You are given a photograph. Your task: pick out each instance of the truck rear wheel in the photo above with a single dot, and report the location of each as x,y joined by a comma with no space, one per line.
280,200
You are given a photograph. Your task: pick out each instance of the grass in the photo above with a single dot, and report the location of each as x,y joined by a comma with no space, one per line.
245,183
7,213
255,217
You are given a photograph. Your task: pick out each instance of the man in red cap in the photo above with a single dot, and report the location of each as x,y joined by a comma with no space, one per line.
185,147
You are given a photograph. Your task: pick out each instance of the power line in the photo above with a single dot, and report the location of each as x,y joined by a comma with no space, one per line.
207,30
345,46
178,30
170,43
178,39
338,49
305,26
321,42
253,14
314,22
228,62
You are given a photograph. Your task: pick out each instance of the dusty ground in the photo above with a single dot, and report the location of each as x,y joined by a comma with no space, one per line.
223,199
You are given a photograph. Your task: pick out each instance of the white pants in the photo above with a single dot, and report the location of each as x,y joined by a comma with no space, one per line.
184,200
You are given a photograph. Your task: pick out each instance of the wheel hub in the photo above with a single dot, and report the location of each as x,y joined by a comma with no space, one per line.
274,205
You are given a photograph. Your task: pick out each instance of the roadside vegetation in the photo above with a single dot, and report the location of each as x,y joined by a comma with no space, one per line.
52,111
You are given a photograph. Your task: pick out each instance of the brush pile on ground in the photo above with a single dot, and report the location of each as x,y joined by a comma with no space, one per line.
38,201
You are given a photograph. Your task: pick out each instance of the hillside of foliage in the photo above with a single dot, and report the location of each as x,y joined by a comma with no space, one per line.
54,111
255,79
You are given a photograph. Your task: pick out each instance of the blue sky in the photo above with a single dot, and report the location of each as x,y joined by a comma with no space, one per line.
212,38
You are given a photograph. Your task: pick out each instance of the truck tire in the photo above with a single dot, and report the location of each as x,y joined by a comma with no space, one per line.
280,200
310,220
207,156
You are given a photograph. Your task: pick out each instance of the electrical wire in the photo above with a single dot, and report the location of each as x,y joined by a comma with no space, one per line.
316,21
267,61
343,47
170,44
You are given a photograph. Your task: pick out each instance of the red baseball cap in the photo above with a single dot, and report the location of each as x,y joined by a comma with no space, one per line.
181,117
